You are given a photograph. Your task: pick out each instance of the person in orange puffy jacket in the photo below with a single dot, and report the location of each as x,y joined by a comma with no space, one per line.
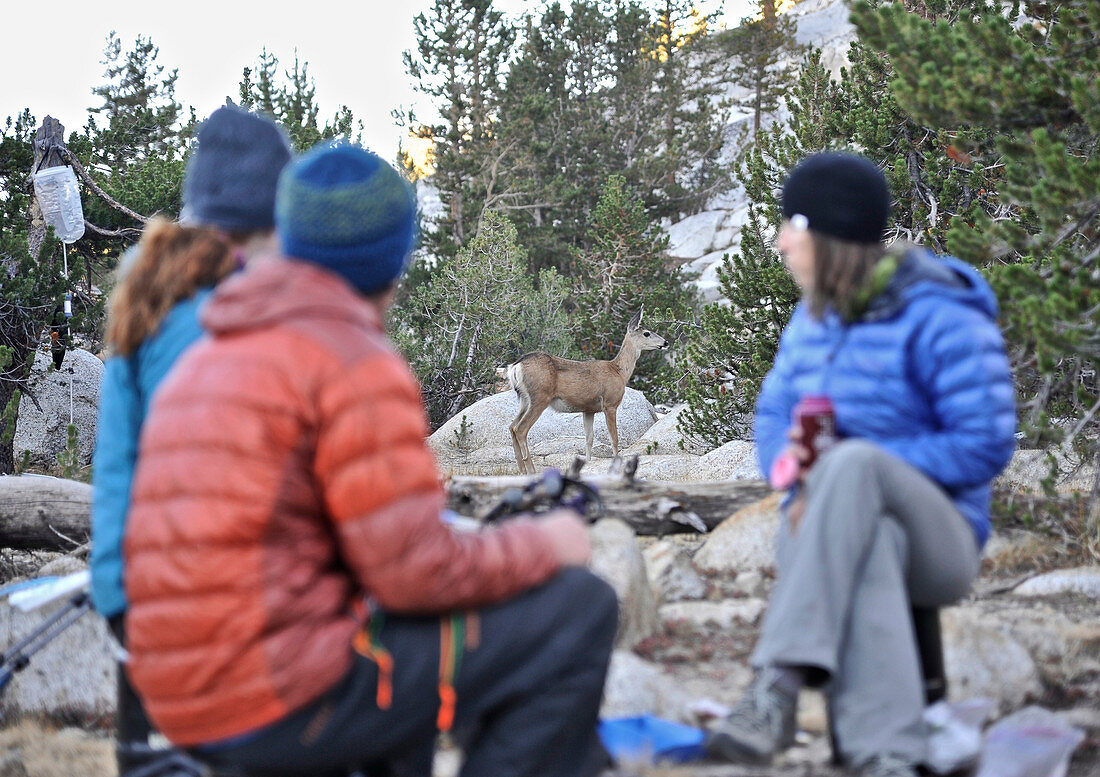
297,603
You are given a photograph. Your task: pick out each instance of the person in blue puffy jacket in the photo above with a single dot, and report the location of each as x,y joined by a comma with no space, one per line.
228,217
894,514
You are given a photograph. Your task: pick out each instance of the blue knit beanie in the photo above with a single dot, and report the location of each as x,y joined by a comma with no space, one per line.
841,195
347,210
231,176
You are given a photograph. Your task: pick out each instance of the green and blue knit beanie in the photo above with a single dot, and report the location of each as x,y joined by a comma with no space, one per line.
347,210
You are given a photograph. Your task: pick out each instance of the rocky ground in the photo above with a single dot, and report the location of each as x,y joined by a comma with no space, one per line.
1027,635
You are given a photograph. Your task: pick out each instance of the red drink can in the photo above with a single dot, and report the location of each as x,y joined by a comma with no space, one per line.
817,419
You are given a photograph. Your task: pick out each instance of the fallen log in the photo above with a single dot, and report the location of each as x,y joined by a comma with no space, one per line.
43,513
650,507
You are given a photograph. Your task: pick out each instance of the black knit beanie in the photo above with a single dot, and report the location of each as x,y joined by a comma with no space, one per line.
231,176
841,195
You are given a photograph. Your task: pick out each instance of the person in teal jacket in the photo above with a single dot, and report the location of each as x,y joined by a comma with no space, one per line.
906,347
228,217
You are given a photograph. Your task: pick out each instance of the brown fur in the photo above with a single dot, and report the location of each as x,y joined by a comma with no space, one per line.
173,262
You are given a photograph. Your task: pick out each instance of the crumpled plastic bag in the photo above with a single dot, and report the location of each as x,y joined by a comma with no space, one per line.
955,734
1033,742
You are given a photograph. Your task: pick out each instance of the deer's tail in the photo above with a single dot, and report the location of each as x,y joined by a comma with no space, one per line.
515,376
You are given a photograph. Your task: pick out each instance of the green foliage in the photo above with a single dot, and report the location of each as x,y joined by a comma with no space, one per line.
133,146
595,89
623,272
69,459
292,102
1030,83
463,437
461,47
477,312
31,296
733,347
11,411
761,45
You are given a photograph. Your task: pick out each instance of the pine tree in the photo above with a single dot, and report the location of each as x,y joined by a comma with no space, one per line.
292,102
478,311
139,108
929,176
669,106
554,127
1031,81
133,147
462,46
734,345
624,271
761,45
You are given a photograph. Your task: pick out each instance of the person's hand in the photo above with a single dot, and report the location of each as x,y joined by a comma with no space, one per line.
568,536
801,452
790,466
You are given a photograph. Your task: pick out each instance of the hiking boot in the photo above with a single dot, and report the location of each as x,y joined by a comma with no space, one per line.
887,765
761,725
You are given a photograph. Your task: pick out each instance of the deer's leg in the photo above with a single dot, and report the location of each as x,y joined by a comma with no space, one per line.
521,426
612,428
589,433
518,446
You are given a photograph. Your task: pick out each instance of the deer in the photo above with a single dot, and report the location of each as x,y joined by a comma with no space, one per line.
569,386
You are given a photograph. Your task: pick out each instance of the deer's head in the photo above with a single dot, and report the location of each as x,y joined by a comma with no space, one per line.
645,339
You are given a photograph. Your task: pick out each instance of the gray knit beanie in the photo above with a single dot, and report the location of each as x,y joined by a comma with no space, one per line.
231,176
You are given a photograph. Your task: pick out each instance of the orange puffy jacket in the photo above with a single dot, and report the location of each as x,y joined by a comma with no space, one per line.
283,474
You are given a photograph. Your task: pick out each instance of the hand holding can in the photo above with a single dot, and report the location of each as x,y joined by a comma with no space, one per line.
813,431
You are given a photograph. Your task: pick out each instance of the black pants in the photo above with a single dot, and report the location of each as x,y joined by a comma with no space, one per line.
132,726
528,696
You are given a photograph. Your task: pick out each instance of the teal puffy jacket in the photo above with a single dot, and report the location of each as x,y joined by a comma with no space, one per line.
128,385
922,373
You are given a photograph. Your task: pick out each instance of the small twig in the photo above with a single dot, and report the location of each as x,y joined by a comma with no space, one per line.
68,539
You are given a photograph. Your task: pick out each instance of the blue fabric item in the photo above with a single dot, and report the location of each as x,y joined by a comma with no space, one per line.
347,210
841,195
124,397
650,739
231,176
923,374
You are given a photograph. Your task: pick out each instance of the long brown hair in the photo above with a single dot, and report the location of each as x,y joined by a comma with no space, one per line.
841,269
172,263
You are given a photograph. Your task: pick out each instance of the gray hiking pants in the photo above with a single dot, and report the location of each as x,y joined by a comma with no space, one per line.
876,537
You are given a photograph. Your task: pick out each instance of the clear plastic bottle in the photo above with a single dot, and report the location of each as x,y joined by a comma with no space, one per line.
58,194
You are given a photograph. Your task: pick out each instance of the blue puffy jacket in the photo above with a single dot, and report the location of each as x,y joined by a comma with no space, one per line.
922,373
128,385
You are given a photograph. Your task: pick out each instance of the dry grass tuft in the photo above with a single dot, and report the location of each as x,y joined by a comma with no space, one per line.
32,749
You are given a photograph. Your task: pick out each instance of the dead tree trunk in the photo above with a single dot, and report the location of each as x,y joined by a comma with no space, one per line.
650,507
49,143
44,513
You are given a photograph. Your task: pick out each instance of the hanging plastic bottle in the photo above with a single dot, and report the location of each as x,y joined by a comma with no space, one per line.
58,195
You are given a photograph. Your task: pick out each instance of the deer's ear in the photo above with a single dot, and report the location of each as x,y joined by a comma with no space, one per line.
635,322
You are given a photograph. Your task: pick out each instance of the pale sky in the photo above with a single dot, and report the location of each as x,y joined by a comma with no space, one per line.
51,59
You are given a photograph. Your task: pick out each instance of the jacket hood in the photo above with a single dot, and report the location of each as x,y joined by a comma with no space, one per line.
921,273
274,289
